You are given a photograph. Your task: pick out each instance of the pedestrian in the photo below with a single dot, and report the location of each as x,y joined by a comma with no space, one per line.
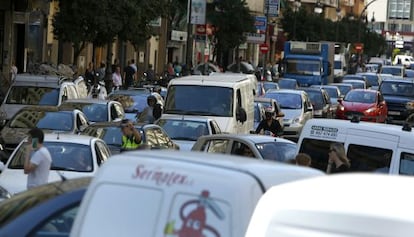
152,112
303,159
37,159
128,76
90,74
150,74
131,138
116,78
101,71
337,161
13,72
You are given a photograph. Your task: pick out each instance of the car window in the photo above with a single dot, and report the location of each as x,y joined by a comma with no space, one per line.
33,95
242,149
183,129
277,151
62,121
151,139
369,159
60,224
216,146
407,163
317,150
64,95
120,113
215,127
162,137
102,152
287,100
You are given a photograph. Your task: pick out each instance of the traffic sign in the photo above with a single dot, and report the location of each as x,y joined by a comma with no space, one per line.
264,48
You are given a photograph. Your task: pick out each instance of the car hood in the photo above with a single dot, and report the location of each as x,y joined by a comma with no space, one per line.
184,145
291,114
355,106
15,181
397,99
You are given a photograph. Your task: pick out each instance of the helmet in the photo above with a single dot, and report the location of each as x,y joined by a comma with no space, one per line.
151,97
269,111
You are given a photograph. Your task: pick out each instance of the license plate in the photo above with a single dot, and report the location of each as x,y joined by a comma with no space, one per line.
393,112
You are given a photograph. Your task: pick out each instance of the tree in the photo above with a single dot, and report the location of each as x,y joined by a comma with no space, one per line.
231,19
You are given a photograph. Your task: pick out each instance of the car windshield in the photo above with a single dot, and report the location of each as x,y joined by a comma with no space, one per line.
397,88
287,84
395,71
33,95
344,89
184,129
372,79
277,151
361,97
200,100
268,86
21,202
303,67
94,112
66,156
316,98
131,103
287,100
355,84
332,92
112,135
51,120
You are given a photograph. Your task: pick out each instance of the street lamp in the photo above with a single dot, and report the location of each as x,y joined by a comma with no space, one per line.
338,17
318,7
360,18
296,7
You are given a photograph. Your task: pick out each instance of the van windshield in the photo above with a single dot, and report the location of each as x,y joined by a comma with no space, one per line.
33,95
199,100
303,67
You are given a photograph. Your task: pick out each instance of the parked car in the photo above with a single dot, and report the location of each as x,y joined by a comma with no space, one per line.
96,110
288,83
373,78
297,108
262,147
344,88
184,130
398,71
399,95
322,105
47,118
368,105
153,136
47,210
72,156
133,101
36,90
356,84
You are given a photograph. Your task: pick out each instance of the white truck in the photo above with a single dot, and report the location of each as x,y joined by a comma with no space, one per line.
340,66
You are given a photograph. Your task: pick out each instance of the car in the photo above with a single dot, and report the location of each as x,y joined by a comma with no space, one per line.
334,94
356,84
184,130
372,67
368,105
267,85
47,118
269,102
263,147
296,107
282,211
398,71
288,83
134,101
373,79
96,110
72,156
343,88
357,77
399,95
322,105
153,136
47,210
36,90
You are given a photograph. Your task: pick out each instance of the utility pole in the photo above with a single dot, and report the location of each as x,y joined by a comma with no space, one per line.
189,48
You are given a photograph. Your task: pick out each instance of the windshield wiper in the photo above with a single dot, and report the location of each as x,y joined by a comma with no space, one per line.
289,107
191,112
62,168
184,138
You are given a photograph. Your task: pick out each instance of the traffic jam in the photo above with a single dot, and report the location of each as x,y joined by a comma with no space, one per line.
207,155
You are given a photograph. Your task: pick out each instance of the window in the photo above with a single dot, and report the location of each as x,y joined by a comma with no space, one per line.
119,111
216,146
241,149
406,28
369,159
25,95
102,152
163,141
60,224
407,163
318,150
151,138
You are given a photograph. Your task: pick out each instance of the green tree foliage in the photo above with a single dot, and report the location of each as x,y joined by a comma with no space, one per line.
101,21
308,26
231,19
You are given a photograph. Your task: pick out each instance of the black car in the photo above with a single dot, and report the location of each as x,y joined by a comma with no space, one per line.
322,105
153,136
47,210
399,95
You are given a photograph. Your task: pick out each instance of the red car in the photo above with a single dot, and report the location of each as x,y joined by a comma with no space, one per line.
368,105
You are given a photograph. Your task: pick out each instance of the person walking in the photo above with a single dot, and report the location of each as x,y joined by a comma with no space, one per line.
37,159
116,78
128,76
337,161
131,138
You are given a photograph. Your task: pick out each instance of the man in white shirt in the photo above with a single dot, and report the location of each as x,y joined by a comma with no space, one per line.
37,160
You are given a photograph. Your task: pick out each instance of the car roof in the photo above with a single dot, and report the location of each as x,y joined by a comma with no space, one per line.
87,100
400,80
341,84
338,205
138,91
185,117
225,79
393,66
364,90
264,171
317,89
291,91
255,138
263,99
26,79
118,124
70,138
351,80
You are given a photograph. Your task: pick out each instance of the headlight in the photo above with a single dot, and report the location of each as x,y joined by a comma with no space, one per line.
317,112
296,120
4,194
370,110
409,105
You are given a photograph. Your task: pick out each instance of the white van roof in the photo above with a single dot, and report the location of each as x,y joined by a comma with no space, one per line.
336,205
390,132
225,80
268,173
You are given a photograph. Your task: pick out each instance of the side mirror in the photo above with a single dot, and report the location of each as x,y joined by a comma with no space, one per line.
309,109
340,99
241,115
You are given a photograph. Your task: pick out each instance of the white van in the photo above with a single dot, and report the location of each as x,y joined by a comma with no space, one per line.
352,205
339,65
227,98
371,147
158,193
